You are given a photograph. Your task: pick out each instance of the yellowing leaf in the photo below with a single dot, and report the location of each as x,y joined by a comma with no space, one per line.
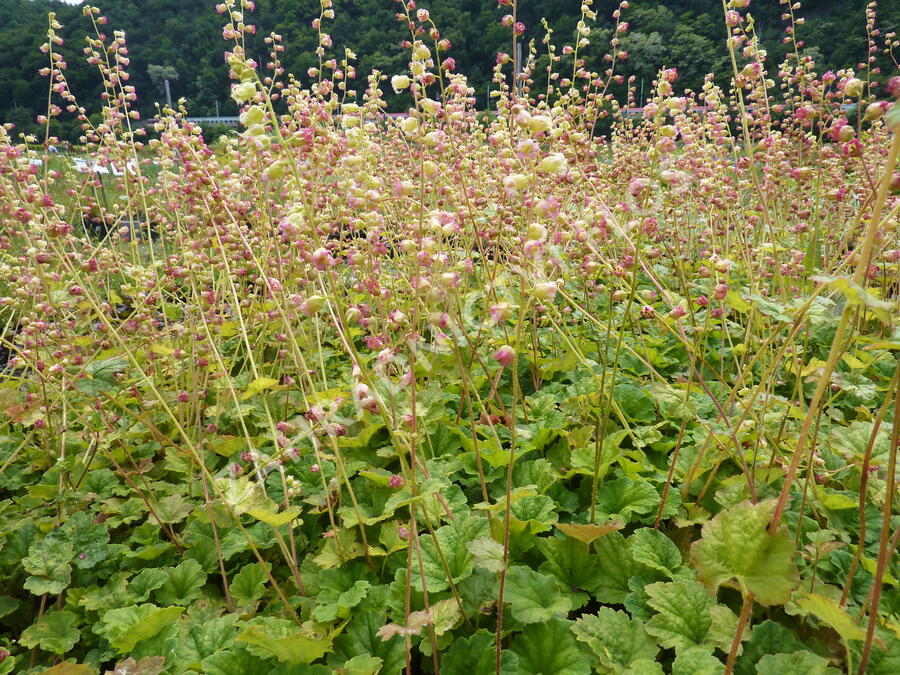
276,519
226,445
829,612
853,362
811,367
258,385
588,533
834,501
297,648
870,565
736,302
858,295
164,350
228,329
736,545
446,614
69,668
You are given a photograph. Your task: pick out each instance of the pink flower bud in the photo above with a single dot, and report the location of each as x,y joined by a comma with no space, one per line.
545,290
505,356
500,312
893,86
322,259
638,186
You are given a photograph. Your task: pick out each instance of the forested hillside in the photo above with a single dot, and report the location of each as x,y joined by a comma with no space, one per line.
186,35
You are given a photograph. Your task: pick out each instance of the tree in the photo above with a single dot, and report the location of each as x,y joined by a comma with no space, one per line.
160,76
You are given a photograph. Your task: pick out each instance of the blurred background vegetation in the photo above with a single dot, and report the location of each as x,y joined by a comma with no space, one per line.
182,39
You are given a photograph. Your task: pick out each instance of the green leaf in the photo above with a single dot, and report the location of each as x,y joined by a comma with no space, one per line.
249,585
48,564
644,667
635,403
614,637
832,614
652,548
584,457
183,585
125,627
736,544
533,597
475,655
724,626
297,647
101,376
335,601
54,632
361,637
550,649
636,601
201,640
363,665
8,605
145,582
89,539
235,662
697,661
683,618
340,590
767,637
852,441
452,539
769,308
537,510
885,661
798,662
242,494
673,403
616,568
856,385
573,566
624,497
487,552
174,508
112,595
858,295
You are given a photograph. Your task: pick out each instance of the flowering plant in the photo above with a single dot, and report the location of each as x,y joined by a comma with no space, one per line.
449,392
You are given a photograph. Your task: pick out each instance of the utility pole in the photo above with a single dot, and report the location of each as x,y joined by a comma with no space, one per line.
168,93
519,69
217,108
